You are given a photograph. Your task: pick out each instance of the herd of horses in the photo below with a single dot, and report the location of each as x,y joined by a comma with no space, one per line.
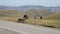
22,20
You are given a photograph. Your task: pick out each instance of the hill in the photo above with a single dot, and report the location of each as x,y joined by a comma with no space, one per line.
38,13
53,17
11,15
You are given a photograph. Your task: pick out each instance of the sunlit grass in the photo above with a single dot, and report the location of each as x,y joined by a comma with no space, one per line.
9,19
55,23
12,15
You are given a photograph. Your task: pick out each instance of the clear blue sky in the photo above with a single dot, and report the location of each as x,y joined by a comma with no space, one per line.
30,2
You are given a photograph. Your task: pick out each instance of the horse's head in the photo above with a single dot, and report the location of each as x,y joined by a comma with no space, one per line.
25,17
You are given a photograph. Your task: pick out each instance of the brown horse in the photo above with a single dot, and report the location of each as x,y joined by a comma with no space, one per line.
23,19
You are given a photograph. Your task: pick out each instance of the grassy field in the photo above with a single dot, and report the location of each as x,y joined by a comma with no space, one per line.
51,20
54,23
53,17
10,15
9,19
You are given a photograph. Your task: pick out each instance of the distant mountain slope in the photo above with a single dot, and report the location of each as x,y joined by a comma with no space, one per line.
55,9
28,7
8,8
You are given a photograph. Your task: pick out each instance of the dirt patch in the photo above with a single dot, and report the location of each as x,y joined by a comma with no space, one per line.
6,31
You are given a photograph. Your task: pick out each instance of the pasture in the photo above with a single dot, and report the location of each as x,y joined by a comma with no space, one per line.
51,20
43,22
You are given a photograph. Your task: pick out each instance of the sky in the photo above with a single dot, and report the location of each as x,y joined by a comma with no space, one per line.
30,2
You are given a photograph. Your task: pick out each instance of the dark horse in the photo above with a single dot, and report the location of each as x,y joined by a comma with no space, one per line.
40,17
25,16
23,19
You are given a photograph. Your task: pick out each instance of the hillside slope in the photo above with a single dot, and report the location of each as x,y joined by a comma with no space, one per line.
38,13
10,15
53,17
28,7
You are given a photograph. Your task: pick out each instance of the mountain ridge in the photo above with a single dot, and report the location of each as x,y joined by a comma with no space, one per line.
28,7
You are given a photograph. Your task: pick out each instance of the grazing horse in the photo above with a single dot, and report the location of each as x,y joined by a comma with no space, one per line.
23,19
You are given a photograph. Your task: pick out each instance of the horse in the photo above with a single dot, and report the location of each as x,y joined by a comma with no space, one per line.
21,20
40,17
25,16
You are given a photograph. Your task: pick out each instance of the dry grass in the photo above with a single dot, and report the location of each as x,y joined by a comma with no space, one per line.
9,19
55,23
12,15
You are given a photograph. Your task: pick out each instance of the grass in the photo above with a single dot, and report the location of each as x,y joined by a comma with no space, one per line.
12,15
54,23
53,17
9,19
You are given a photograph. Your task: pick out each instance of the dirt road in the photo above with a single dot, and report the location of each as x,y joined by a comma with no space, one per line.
27,29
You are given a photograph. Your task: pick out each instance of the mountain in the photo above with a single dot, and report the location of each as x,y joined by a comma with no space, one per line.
28,7
55,9
8,8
